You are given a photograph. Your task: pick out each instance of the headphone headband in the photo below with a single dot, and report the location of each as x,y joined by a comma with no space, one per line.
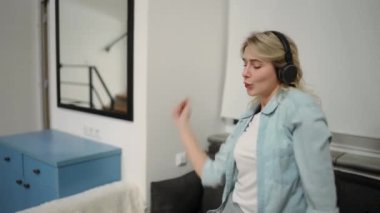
285,44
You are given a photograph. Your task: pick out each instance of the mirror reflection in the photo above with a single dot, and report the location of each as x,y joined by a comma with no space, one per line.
94,56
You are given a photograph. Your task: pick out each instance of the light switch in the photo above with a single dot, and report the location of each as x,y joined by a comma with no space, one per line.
180,159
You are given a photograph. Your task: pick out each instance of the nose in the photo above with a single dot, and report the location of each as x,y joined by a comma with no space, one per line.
245,72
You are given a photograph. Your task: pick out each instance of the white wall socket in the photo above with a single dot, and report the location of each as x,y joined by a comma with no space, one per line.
91,131
180,159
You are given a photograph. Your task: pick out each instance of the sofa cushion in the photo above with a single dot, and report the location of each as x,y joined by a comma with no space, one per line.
178,195
211,199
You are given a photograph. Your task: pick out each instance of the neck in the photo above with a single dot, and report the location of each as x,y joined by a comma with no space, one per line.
266,98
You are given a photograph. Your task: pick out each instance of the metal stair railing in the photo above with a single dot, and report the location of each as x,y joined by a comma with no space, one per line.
92,90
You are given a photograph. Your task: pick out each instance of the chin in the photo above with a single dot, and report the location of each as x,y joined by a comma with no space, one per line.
252,93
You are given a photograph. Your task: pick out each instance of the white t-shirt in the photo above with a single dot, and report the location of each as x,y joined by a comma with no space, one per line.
245,192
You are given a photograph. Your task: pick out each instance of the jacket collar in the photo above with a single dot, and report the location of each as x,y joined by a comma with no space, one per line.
272,104
268,109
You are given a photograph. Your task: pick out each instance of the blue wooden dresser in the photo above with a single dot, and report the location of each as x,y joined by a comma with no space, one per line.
45,165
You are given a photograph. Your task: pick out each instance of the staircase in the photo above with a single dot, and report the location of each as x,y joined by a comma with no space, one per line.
120,104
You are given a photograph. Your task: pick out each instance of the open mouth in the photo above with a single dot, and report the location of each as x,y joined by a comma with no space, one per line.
248,86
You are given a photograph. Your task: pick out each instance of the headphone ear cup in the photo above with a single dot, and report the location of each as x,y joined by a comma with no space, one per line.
287,74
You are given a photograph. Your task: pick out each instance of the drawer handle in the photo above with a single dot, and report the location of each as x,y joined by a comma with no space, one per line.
26,185
36,171
19,182
7,159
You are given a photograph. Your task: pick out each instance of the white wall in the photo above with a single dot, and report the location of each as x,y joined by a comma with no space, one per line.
339,47
186,51
20,81
130,136
177,54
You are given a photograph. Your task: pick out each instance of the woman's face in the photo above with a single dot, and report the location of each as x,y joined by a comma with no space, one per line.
259,76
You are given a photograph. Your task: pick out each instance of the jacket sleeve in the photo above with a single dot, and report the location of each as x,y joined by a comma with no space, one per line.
213,172
311,140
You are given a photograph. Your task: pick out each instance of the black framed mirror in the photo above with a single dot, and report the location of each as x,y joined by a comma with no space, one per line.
94,43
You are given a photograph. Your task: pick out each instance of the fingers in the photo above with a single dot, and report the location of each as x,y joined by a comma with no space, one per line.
183,107
181,112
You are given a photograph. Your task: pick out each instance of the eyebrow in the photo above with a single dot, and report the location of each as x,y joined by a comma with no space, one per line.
252,60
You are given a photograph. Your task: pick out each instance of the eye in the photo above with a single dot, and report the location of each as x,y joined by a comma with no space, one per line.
256,64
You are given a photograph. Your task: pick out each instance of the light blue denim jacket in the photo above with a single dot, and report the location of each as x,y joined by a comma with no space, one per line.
294,167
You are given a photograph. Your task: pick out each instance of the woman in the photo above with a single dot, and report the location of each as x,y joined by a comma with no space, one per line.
277,159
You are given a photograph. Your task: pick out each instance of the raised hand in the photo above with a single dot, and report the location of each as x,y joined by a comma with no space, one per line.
181,113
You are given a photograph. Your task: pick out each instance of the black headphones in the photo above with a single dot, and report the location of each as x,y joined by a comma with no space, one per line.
287,74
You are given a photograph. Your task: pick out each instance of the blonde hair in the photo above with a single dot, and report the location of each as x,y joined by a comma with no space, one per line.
269,48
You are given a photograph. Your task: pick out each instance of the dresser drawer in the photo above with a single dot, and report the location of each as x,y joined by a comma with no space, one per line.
39,173
10,160
41,166
38,194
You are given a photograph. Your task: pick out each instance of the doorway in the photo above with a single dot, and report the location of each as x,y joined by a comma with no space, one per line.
45,62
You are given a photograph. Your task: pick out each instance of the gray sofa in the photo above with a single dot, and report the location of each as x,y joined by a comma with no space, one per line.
183,194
